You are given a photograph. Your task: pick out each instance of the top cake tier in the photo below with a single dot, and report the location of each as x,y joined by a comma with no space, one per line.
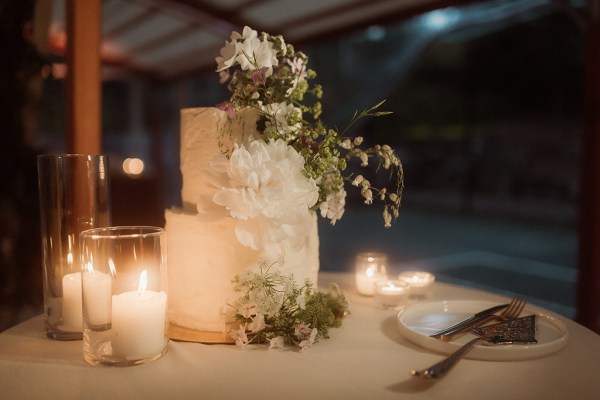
206,132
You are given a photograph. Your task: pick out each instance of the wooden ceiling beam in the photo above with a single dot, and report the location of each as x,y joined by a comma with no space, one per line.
83,77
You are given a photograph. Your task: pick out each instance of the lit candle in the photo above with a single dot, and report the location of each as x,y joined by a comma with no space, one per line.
72,317
97,296
420,282
138,322
390,293
370,268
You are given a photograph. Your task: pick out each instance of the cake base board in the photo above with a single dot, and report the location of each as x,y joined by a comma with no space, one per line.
180,333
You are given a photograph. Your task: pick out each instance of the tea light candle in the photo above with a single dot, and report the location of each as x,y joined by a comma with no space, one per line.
97,295
138,322
390,293
420,282
72,316
370,268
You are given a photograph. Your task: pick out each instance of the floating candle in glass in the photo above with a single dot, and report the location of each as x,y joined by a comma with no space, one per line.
370,268
420,283
390,293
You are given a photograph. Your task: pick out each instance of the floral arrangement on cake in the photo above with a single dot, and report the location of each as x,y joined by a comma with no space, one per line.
271,184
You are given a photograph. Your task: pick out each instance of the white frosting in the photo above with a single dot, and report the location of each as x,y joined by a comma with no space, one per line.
203,251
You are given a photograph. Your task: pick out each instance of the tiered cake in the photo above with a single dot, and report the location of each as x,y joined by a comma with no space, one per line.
204,253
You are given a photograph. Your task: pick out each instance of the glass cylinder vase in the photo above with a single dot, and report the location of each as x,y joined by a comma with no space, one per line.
74,195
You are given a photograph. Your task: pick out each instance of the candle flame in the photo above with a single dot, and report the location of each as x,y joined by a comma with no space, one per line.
70,259
143,282
370,272
89,267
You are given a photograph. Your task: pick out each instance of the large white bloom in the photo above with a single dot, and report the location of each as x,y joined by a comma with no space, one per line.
264,188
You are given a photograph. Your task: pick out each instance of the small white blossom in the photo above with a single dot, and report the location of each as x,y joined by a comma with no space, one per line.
382,193
302,329
346,144
364,158
301,301
280,112
357,180
334,206
247,310
224,77
387,218
257,324
358,140
239,335
305,344
277,342
368,195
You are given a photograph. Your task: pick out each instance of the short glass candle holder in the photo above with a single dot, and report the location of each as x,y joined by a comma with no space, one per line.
420,283
390,293
370,268
124,278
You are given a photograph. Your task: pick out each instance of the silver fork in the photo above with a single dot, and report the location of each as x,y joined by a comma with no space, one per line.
514,331
513,310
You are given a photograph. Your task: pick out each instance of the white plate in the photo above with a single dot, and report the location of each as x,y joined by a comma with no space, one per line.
420,320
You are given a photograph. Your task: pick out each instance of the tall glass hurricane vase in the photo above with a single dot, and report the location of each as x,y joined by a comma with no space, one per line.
74,194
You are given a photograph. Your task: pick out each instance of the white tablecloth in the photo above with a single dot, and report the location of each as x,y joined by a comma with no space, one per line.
367,358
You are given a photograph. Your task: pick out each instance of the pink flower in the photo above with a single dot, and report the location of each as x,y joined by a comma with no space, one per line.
259,76
226,106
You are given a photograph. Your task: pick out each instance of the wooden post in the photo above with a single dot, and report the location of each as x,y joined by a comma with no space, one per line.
588,289
83,77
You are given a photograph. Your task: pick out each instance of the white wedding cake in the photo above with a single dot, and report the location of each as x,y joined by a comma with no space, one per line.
204,250
256,170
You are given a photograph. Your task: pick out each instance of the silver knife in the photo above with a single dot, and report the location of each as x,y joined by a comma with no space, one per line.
464,323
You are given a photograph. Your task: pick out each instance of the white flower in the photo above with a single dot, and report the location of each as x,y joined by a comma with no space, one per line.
264,188
224,77
298,68
364,158
254,53
367,194
334,205
301,301
228,56
346,144
239,335
257,324
387,218
305,344
357,180
277,342
247,310
248,51
280,112
302,329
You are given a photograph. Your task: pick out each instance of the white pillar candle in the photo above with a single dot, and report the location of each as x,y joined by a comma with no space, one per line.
97,296
390,293
138,323
420,282
72,316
